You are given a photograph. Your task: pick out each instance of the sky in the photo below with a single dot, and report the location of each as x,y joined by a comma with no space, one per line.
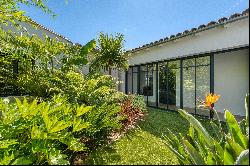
140,21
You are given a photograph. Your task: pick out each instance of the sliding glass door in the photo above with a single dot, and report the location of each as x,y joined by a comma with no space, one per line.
161,83
169,85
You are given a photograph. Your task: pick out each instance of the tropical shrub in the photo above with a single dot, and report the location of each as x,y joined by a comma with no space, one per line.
200,148
110,53
133,108
43,133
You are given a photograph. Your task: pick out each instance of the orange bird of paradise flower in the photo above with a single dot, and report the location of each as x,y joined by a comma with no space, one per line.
211,99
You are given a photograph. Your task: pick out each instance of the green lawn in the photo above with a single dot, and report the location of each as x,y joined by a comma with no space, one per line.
144,145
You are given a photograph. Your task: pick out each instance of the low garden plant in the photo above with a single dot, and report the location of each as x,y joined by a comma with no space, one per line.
43,133
198,147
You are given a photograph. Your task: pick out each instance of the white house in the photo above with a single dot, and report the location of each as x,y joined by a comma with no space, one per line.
174,72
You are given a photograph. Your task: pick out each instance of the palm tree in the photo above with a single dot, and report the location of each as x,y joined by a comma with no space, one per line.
110,53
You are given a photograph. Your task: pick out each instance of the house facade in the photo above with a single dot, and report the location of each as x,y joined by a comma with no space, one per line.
177,72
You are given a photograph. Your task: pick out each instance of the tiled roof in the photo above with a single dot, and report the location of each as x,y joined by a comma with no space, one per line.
200,28
51,31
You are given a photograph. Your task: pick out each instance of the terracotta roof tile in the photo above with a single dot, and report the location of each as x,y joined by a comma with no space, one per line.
211,23
234,15
222,19
245,11
186,32
201,26
178,34
172,36
193,30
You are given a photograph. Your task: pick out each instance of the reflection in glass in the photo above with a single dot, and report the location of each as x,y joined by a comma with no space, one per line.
135,80
202,83
169,85
163,85
143,82
173,85
189,85
151,88
130,81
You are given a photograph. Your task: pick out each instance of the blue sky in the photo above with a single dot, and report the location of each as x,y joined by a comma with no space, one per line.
141,21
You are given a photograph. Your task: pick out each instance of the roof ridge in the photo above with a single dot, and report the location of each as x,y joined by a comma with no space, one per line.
47,29
211,24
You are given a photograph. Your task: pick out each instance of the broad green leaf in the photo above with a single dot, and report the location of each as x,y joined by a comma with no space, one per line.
23,161
59,125
236,149
37,133
79,124
6,143
73,143
247,109
191,132
228,158
7,158
235,130
195,155
243,158
87,48
198,126
210,159
82,110
56,158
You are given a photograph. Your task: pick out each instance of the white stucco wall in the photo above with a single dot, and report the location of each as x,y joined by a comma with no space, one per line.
231,77
231,35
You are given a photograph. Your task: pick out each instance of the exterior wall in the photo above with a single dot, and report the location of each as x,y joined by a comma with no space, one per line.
233,34
231,77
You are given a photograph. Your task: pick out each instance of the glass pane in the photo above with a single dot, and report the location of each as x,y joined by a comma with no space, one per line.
203,60
189,62
162,74
152,87
173,85
189,89
135,82
143,82
202,87
135,69
130,81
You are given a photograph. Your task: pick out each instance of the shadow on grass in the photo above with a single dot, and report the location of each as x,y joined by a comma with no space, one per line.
144,144
158,121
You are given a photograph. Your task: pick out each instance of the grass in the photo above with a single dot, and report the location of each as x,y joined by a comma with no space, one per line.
144,145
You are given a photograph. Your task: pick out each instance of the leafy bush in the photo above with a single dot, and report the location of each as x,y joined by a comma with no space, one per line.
132,108
200,148
40,133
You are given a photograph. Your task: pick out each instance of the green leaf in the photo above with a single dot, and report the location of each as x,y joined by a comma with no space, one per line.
243,158
210,159
198,126
59,125
195,155
87,48
79,124
228,158
23,161
247,109
235,130
236,149
56,158
6,143
73,143
7,158
82,110
38,133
